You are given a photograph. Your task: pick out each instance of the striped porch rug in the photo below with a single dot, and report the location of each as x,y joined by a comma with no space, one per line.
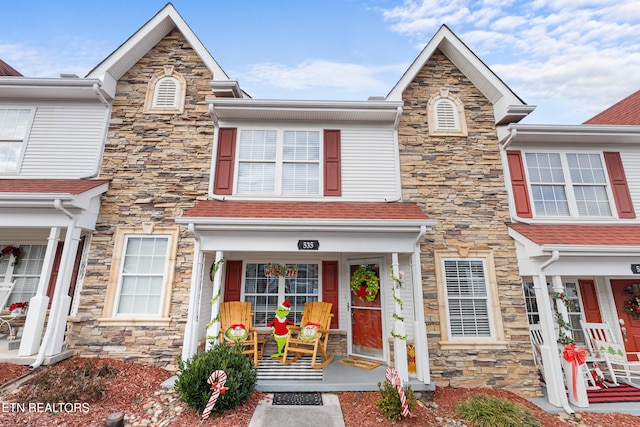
624,393
273,369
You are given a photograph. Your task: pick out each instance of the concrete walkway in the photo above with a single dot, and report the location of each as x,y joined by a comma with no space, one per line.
329,414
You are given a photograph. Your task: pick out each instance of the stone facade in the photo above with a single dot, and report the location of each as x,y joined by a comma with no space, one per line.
159,165
458,181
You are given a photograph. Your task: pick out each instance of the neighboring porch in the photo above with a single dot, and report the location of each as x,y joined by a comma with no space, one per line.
9,354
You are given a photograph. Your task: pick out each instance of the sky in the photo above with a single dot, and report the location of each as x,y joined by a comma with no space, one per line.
569,58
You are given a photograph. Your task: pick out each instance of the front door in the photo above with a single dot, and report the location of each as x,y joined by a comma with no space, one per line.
366,317
623,292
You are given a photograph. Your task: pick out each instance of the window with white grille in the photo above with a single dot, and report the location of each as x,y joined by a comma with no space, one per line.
14,128
568,184
25,272
274,162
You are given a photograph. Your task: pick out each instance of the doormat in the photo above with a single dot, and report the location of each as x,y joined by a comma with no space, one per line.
624,393
273,369
302,398
359,363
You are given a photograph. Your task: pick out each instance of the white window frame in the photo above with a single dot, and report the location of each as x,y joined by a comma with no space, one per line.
122,275
110,315
14,140
296,309
569,186
496,338
279,162
11,273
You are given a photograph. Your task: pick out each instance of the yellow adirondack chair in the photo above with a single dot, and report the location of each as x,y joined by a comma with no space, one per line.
236,327
311,336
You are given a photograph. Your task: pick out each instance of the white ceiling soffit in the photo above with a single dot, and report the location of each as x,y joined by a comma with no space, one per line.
130,52
507,105
353,111
580,134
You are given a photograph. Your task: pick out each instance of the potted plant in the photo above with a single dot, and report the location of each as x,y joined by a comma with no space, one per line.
18,308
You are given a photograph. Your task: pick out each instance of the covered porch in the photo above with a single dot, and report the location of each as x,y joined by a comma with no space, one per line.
46,224
324,242
574,277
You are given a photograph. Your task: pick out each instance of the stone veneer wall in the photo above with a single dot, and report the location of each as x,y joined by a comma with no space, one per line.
459,182
159,165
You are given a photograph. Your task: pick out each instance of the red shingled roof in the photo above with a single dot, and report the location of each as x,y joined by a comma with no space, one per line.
625,112
306,210
8,70
586,234
62,186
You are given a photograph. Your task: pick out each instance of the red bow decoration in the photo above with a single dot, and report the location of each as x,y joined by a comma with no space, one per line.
575,356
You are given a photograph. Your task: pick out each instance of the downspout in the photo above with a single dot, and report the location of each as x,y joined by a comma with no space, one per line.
420,329
190,344
550,358
46,340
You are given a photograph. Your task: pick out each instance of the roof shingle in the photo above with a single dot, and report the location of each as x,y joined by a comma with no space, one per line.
306,210
625,112
580,235
53,186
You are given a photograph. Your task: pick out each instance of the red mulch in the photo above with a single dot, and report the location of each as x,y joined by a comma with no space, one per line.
136,391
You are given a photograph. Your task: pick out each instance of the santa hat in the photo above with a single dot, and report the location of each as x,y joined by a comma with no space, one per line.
285,305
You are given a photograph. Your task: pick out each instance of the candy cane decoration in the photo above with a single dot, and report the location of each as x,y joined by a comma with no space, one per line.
217,380
394,378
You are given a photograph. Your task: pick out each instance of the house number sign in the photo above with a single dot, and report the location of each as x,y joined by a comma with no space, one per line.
308,245
635,268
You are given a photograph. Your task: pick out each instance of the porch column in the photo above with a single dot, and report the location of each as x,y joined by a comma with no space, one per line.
61,300
214,329
399,343
549,349
190,343
38,304
420,329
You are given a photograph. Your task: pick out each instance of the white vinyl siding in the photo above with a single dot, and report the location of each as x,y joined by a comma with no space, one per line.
65,141
467,298
369,163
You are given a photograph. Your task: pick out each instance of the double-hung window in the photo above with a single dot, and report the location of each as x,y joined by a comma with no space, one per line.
14,126
467,298
275,162
142,276
25,272
568,184
266,290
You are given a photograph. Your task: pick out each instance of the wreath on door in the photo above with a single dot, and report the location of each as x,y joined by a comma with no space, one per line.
365,284
633,306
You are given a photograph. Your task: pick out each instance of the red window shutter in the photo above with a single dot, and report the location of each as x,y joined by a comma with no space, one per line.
519,184
225,161
590,301
330,288
232,280
332,163
619,185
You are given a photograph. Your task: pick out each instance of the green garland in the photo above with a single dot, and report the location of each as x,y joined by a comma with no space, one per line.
365,283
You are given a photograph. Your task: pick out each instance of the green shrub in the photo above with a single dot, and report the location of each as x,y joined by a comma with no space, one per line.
192,385
75,380
389,401
490,411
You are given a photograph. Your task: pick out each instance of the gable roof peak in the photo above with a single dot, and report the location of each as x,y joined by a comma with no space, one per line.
624,112
114,66
508,107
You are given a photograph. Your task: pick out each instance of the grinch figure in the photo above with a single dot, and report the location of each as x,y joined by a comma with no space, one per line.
279,327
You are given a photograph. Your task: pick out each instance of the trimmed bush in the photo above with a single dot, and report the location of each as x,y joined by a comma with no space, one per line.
195,391
490,411
389,401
